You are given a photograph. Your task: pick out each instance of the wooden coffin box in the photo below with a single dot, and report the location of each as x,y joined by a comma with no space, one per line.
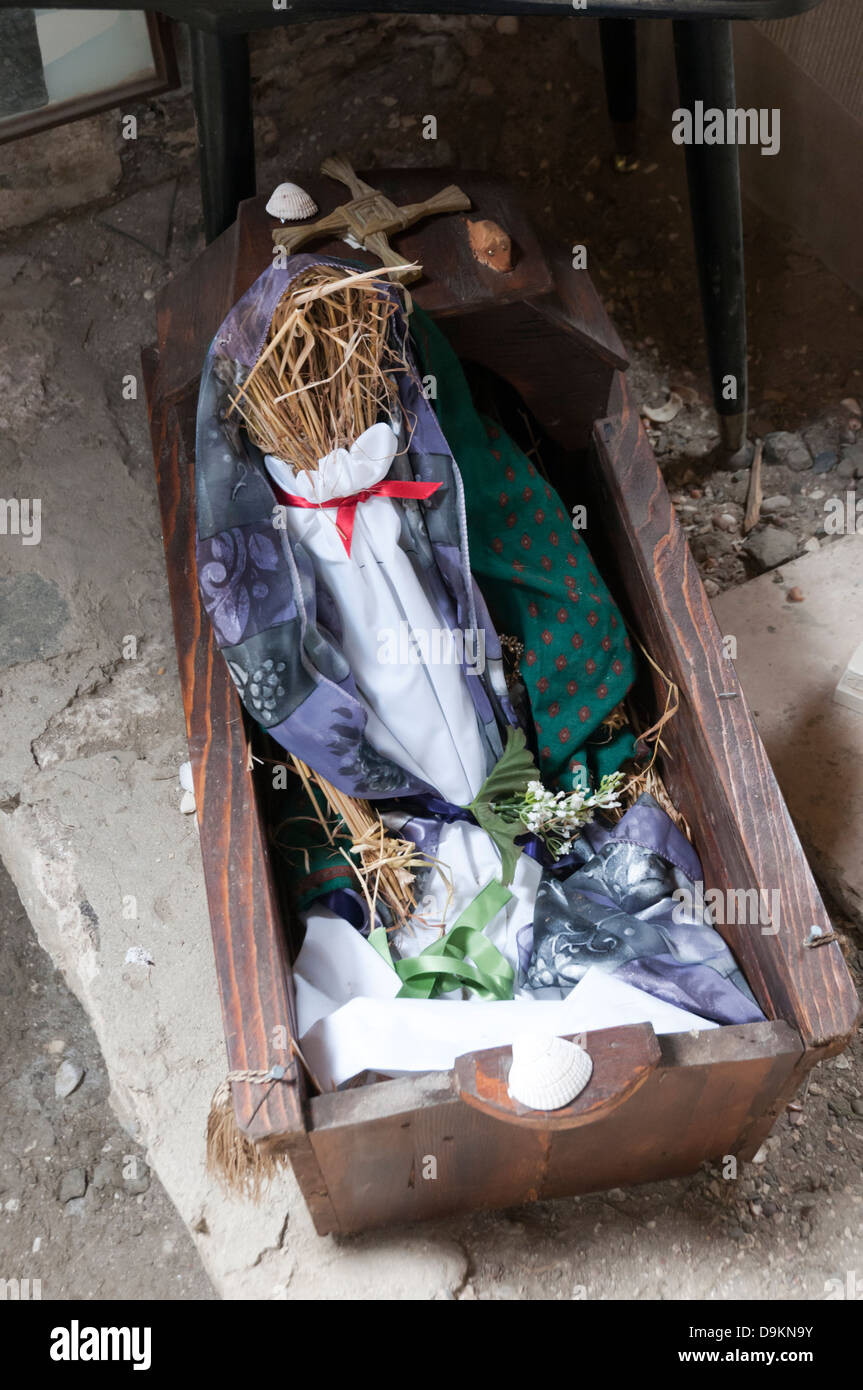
655,1107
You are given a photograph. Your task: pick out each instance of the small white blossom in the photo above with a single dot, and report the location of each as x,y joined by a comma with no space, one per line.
558,817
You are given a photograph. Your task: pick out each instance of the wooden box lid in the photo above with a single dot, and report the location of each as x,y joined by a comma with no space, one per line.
192,306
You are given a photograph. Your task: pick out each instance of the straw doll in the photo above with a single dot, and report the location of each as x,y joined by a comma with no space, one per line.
322,402
333,442
333,562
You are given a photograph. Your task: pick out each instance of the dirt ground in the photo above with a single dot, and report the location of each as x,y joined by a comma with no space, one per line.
520,104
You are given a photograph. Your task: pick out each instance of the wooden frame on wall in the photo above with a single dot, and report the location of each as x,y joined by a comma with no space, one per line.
163,79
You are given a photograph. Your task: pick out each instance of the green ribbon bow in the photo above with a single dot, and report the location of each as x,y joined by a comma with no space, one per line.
445,965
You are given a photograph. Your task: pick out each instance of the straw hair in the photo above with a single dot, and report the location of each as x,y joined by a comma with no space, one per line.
327,370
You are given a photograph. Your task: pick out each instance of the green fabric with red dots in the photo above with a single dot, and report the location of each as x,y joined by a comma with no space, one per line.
539,581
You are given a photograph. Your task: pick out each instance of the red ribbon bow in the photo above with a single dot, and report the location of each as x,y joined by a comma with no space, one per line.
346,507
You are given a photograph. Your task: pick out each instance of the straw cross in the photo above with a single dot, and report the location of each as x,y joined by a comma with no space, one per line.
369,218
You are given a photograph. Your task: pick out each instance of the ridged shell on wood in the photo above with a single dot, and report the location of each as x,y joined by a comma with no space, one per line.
547,1072
290,203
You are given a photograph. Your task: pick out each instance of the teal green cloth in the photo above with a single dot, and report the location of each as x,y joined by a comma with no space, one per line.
539,581
316,866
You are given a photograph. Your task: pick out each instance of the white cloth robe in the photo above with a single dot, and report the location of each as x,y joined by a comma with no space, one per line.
419,714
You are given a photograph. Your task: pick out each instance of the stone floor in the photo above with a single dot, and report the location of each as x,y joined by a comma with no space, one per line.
795,630
90,829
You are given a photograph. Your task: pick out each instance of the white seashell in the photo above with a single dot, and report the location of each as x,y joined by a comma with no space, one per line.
186,781
547,1072
662,414
290,203
187,803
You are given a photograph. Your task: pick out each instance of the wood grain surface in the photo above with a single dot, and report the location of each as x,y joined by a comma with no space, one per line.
717,770
707,1096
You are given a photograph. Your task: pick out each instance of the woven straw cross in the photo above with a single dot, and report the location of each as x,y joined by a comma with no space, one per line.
369,218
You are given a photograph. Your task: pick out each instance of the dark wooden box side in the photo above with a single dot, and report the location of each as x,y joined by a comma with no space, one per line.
717,770
708,1096
248,936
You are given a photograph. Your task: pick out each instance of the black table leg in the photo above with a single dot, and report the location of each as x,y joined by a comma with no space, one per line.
705,72
223,107
620,67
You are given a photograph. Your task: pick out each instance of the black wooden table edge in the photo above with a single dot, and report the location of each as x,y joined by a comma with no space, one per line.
241,16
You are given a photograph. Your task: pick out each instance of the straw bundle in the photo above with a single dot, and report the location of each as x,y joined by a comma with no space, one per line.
234,1160
648,778
327,370
384,865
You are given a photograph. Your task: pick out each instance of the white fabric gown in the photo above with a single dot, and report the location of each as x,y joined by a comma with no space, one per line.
350,1020
471,860
419,714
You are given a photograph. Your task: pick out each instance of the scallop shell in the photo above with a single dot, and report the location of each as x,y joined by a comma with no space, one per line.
290,203
547,1072
662,414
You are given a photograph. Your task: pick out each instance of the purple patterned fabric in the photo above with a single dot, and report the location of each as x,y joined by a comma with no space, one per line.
277,628
236,576
647,825
327,732
616,912
685,985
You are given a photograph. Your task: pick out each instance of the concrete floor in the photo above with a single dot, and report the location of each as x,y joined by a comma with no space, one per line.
122,1238
90,828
